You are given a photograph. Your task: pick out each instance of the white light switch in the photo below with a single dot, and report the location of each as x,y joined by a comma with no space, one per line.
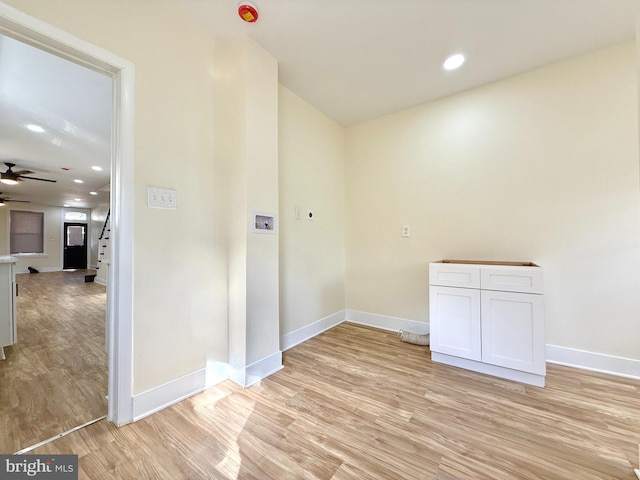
406,230
162,198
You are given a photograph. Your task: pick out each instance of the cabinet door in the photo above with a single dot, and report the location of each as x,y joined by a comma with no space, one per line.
14,302
454,321
6,306
513,331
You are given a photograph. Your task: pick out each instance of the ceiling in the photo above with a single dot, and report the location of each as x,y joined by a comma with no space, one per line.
354,60
72,105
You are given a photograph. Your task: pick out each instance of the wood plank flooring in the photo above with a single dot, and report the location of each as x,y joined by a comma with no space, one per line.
55,377
356,403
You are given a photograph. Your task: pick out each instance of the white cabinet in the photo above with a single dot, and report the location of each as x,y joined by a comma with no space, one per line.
488,317
8,292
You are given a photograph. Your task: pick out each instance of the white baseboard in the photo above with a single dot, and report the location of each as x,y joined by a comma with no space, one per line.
51,269
386,323
597,362
215,373
247,376
303,334
163,396
42,269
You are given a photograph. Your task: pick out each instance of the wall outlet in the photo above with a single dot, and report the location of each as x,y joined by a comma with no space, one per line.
406,230
162,198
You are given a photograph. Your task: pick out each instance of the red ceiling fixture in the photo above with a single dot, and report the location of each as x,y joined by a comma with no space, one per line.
248,12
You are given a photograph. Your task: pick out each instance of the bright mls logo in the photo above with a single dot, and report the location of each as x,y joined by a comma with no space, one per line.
45,467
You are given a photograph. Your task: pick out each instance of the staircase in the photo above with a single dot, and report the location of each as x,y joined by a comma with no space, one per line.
104,244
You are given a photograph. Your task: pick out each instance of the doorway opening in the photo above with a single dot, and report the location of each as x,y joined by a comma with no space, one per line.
33,31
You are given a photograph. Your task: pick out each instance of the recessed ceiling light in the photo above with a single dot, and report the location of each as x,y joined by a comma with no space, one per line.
93,193
96,168
34,128
453,61
77,180
77,199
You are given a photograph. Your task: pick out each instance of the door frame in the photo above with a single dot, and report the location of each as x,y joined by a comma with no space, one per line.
35,32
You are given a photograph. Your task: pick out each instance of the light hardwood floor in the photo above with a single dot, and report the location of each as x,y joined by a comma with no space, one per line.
55,376
356,403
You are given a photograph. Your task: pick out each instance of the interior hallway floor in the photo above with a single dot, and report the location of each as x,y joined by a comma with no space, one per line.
55,377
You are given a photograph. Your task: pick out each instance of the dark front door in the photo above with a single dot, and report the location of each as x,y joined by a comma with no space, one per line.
75,246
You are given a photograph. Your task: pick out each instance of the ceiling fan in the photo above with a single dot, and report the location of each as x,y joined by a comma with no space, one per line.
6,199
11,178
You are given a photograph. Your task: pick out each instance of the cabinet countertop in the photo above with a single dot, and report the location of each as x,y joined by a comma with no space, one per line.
490,263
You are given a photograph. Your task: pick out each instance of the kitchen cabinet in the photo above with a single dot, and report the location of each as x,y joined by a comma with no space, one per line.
8,292
488,317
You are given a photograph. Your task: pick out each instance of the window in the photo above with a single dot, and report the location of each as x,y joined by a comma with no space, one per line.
75,216
27,232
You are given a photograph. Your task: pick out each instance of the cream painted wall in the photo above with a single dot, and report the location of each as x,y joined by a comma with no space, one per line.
253,258
312,253
52,261
261,123
180,296
234,143
542,166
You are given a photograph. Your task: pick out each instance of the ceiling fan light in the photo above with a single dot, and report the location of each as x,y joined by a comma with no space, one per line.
9,181
35,128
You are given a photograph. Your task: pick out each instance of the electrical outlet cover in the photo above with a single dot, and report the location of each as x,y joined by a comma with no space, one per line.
162,198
